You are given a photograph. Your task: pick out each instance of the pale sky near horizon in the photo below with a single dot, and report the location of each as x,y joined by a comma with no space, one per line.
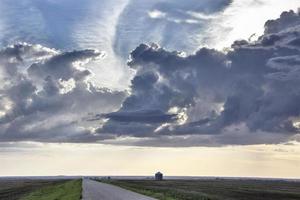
269,161
90,112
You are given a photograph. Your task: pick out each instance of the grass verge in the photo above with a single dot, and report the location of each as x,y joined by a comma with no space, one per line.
69,190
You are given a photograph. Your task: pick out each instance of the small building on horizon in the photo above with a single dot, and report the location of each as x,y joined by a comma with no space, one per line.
158,176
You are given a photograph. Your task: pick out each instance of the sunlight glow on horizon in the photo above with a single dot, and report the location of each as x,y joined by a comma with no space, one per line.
272,161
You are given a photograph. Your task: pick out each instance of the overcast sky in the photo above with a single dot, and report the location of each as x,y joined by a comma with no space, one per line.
190,79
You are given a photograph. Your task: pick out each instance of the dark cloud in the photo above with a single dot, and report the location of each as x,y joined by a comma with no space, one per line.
46,95
62,66
248,95
288,19
152,116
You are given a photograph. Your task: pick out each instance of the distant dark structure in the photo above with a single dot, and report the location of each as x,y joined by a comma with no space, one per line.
158,176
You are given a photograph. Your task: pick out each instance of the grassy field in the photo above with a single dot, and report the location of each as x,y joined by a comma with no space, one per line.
70,190
27,189
13,189
219,189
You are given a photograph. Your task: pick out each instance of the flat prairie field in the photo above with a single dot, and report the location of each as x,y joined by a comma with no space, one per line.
215,189
13,189
69,190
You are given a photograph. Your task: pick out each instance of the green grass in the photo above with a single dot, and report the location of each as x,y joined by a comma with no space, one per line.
213,189
70,190
14,189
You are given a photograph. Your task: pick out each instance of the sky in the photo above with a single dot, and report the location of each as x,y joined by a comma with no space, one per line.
131,87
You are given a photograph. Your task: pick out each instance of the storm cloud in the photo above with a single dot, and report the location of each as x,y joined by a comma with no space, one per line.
246,95
43,92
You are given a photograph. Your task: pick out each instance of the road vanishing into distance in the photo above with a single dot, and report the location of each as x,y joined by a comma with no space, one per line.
94,190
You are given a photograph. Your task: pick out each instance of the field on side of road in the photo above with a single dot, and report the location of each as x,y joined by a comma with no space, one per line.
70,190
14,189
219,189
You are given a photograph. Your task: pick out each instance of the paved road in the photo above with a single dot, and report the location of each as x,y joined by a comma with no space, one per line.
93,190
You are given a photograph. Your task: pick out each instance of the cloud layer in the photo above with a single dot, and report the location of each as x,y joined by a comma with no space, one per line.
247,95
46,95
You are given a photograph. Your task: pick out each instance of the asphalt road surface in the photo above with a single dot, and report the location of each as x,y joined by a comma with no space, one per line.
93,190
